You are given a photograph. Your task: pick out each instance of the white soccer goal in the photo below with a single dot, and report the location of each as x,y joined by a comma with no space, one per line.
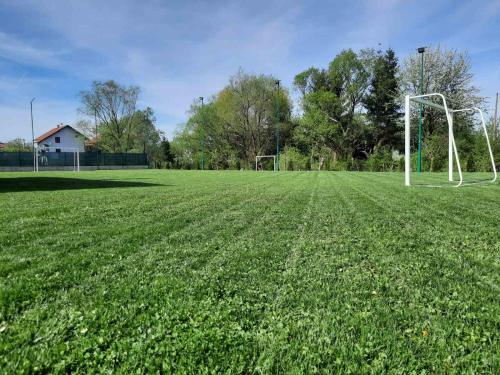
452,147
258,158
46,156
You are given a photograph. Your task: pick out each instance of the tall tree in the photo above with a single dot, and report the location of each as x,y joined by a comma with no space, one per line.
382,101
330,99
238,123
166,153
144,136
446,71
115,106
207,132
247,106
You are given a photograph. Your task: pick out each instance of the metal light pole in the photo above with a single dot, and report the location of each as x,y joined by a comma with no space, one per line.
495,116
421,51
277,82
202,131
96,142
33,135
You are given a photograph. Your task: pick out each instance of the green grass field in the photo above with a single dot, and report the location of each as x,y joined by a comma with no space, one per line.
189,271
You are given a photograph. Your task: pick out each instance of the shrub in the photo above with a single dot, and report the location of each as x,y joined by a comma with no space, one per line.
382,160
291,159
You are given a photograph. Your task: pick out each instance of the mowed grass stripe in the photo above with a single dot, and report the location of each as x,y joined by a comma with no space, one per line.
124,261
366,285
446,206
443,224
370,270
129,237
435,258
315,293
100,257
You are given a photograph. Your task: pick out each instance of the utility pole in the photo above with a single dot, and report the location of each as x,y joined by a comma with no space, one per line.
421,51
277,167
202,134
33,136
495,118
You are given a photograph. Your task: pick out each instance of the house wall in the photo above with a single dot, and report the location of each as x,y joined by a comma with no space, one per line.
70,139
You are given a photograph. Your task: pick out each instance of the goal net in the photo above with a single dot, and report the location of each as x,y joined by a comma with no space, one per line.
453,155
259,163
47,157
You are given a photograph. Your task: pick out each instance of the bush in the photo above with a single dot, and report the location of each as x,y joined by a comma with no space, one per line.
291,159
382,160
479,160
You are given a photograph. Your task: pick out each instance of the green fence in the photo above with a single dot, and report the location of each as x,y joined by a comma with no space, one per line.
67,159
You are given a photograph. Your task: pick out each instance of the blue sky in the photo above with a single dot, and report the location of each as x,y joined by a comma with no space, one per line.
179,50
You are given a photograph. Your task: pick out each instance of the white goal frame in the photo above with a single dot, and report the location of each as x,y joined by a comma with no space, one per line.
260,157
74,150
452,147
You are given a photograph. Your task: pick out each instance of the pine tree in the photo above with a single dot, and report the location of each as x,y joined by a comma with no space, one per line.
381,103
167,155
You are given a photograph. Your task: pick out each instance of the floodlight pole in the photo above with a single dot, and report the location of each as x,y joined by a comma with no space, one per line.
495,117
33,136
96,141
450,146
407,141
421,51
202,131
277,167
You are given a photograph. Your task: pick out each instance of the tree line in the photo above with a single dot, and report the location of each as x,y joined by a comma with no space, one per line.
348,116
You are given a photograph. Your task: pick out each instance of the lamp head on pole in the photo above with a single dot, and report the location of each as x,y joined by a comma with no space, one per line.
277,82
421,49
201,99
32,100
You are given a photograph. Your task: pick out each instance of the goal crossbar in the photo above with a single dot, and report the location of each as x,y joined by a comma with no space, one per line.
452,147
428,103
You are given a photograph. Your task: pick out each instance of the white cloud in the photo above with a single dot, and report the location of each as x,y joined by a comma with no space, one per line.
177,51
15,49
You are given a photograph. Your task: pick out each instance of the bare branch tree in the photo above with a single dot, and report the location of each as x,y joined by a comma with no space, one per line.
114,106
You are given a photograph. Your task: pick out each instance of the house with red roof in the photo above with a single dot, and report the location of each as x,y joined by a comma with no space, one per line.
62,138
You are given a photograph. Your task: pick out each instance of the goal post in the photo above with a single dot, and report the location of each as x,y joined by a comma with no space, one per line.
43,155
260,157
453,157
485,130
452,148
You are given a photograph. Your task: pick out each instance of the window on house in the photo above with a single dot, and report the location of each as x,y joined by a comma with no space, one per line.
58,139
58,150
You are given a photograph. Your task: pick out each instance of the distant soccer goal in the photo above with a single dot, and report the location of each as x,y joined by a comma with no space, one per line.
57,157
258,159
453,156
